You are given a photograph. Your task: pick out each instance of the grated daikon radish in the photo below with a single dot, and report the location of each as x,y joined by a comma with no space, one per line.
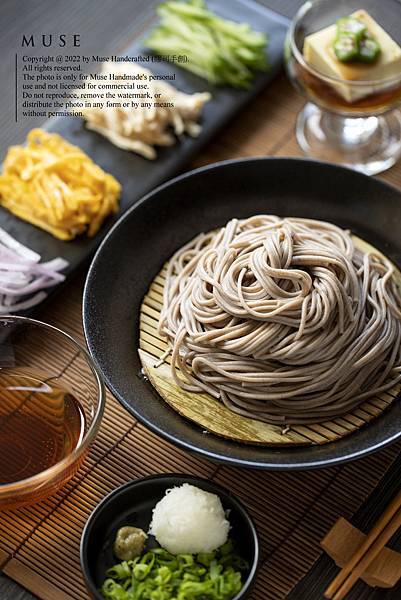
188,520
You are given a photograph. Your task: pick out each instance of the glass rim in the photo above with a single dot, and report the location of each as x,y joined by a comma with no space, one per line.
87,438
359,83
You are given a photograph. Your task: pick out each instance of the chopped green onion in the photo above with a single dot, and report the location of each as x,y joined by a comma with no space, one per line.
160,575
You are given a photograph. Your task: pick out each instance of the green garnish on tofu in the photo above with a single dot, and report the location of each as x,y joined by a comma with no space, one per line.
354,43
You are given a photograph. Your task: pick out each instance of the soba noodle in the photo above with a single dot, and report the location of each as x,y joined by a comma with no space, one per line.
283,320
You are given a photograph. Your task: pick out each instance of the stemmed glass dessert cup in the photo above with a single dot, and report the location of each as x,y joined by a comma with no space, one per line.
351,121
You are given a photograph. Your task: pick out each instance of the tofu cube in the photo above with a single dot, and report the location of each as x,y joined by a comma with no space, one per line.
318,52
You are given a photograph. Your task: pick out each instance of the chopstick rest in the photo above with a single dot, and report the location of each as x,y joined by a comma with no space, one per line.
343,540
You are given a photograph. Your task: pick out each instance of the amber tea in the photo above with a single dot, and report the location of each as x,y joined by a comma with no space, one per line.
40,424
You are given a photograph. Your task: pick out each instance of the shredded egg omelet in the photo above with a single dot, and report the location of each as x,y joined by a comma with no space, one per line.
56,186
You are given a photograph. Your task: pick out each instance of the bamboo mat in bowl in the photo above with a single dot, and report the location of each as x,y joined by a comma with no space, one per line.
39,545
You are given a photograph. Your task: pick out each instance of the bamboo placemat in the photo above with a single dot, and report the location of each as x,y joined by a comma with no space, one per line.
39,545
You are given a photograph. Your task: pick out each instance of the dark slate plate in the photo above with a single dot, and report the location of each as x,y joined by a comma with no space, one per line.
139,175
136,248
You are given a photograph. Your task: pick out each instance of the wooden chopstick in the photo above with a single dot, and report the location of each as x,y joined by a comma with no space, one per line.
377,538
370,555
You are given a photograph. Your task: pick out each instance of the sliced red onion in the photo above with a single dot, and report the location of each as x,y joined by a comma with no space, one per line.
22,277
11,243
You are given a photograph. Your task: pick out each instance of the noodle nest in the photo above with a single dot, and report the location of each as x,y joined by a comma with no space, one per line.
283,320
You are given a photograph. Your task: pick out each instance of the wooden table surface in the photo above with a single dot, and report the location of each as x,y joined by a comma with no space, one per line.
265,128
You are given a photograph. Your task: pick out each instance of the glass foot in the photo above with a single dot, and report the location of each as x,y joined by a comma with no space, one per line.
368,144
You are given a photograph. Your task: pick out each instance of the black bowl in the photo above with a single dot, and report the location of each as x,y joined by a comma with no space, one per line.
133,503
146,236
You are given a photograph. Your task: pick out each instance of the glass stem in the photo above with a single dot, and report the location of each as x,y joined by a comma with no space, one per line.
348,131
